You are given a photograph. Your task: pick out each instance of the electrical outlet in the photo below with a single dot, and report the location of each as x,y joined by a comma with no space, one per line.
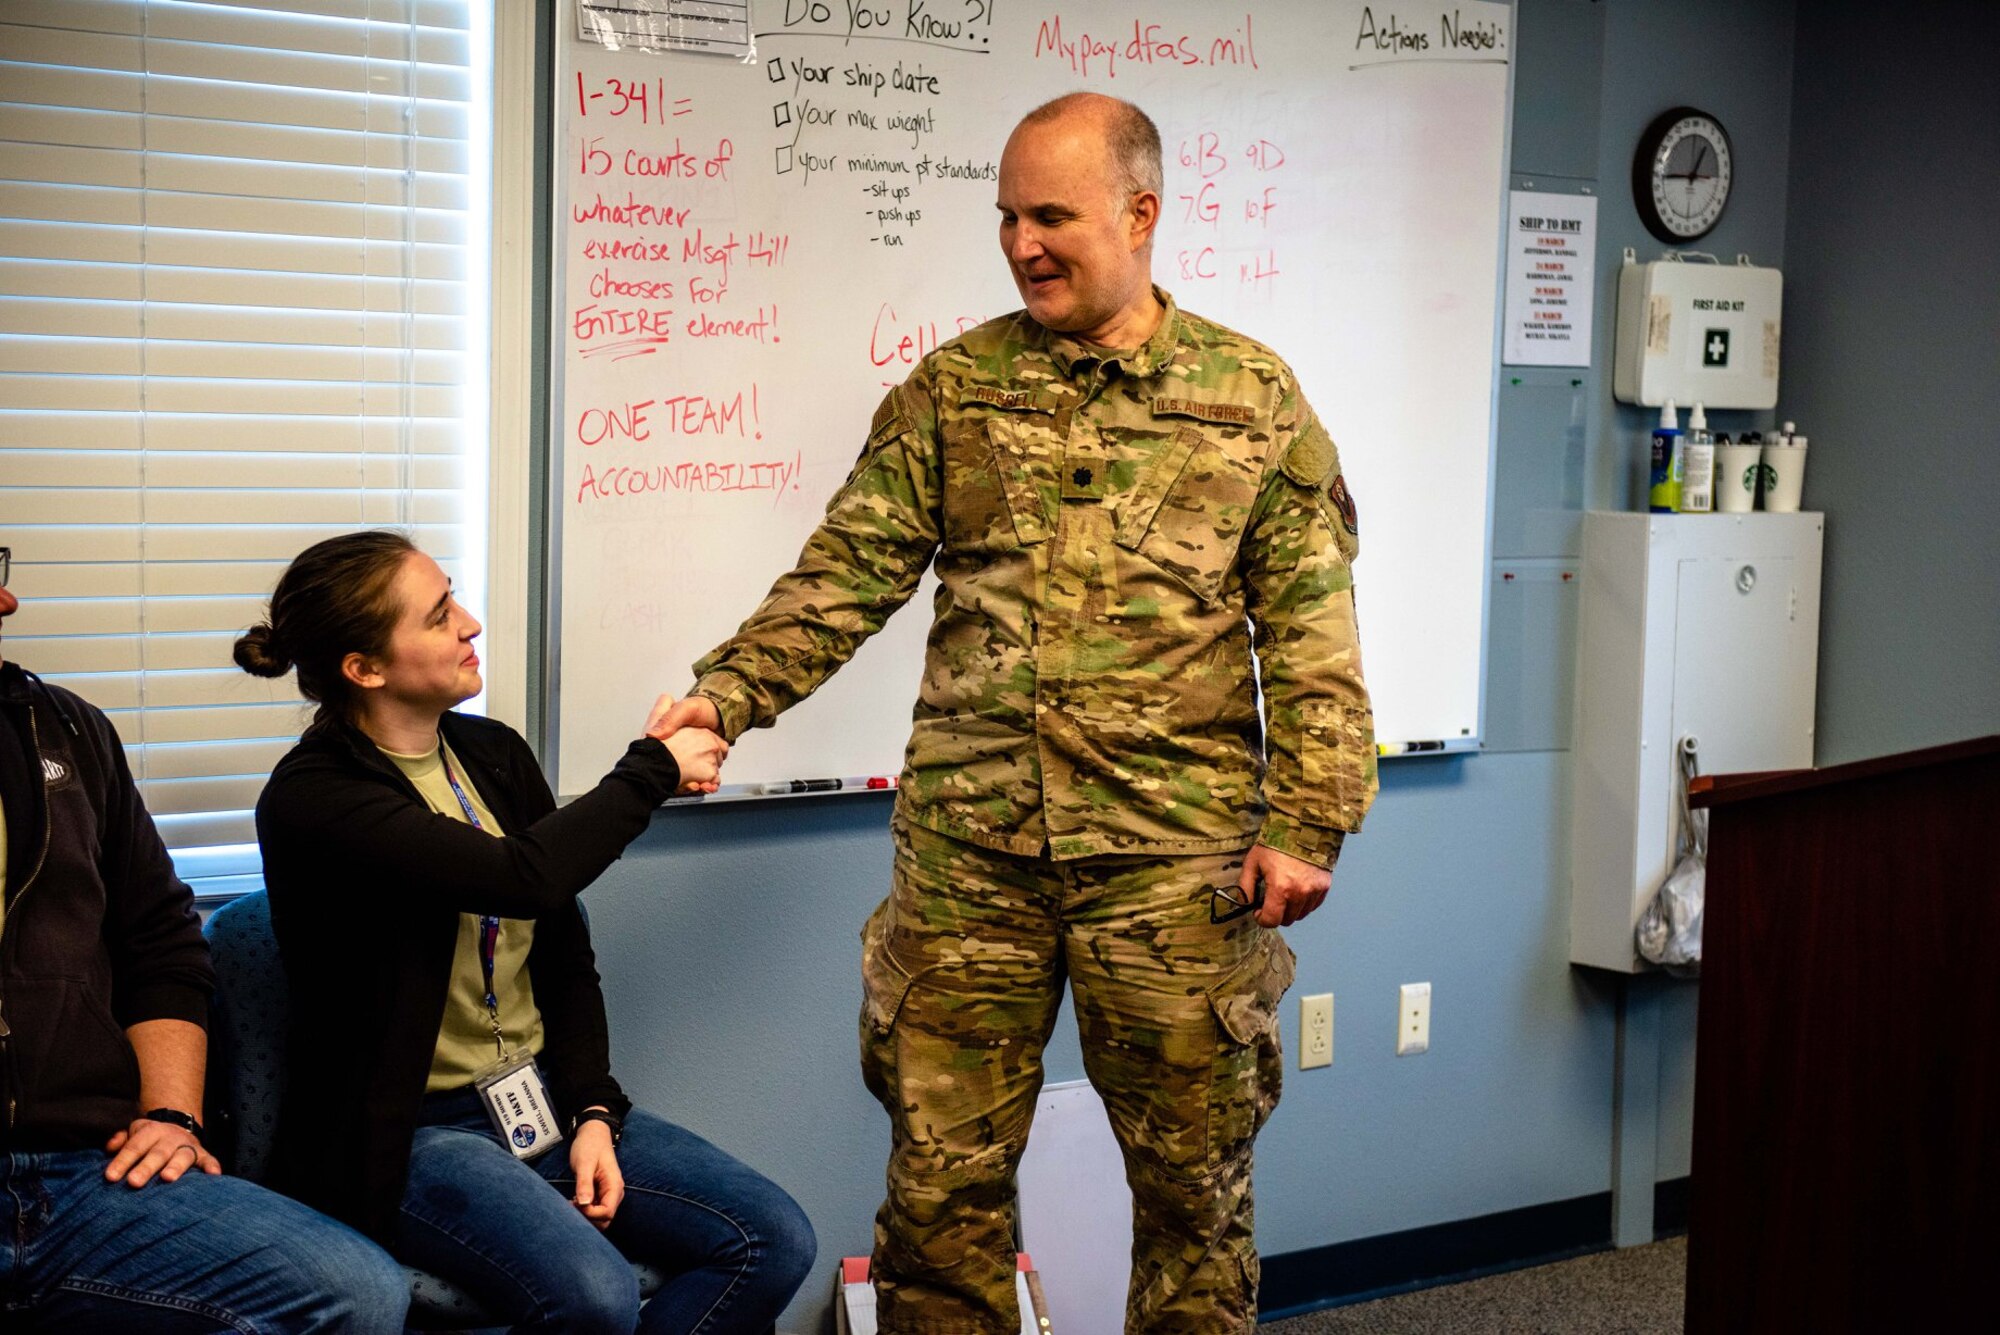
1315,1031
1413,1020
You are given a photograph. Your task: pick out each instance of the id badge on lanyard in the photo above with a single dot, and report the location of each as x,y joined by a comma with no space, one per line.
518,1102
511,1088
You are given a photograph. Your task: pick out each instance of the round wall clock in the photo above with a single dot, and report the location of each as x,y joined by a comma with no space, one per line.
1681,174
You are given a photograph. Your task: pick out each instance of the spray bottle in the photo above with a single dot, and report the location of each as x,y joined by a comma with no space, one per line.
1664,495
1698,466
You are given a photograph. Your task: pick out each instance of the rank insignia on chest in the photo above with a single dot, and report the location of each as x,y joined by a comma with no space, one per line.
1083,480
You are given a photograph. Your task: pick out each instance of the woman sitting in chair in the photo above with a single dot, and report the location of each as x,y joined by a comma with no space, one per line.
449,1087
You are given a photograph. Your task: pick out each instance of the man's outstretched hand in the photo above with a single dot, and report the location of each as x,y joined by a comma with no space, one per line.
669,716
1293,887
691,730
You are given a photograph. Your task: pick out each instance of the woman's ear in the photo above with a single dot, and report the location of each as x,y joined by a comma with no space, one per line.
361,670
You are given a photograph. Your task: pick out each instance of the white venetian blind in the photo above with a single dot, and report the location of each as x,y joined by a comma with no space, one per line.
241,309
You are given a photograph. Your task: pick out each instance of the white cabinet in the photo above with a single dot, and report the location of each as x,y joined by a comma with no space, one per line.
1689,625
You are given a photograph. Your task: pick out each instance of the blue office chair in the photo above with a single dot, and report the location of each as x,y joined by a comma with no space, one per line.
246,1078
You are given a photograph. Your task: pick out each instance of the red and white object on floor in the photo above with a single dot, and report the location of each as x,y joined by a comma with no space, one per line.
854,1298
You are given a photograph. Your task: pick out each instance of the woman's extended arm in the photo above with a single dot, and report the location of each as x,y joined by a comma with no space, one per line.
318,806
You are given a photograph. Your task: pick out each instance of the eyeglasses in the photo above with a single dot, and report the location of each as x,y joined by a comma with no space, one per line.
6,564
1232,895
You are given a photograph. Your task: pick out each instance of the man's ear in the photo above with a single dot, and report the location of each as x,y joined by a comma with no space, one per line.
1145,211
361,670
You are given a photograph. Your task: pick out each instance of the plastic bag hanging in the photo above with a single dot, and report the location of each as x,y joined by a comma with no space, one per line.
1669,932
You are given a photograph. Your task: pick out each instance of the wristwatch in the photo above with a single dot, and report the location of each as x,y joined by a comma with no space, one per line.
610,1120
175,1117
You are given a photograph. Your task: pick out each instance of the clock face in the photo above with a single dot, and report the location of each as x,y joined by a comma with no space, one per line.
1682,174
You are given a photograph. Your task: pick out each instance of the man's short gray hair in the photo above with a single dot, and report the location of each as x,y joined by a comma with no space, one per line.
1129,133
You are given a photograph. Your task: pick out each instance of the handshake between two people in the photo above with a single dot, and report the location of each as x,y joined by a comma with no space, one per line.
691,730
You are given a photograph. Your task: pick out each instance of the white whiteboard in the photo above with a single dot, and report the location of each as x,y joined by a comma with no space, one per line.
753,250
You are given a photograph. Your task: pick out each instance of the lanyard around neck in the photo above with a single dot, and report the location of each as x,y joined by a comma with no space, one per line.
489,925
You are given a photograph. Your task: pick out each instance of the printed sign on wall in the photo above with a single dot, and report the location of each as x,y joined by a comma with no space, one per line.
1551,262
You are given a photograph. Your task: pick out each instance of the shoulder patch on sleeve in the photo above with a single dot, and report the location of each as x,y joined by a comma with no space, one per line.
891,419
1343,504
1312,458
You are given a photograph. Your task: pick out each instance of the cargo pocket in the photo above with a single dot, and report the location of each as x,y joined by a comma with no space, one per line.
1194,527
977,516
884,984
1336,763
1249,1056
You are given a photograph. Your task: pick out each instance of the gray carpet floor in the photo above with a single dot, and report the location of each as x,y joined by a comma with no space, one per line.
1636,1291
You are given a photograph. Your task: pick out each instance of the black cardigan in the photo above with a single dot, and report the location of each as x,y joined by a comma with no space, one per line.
367,884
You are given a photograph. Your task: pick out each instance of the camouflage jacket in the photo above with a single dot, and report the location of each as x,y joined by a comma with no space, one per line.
1108,528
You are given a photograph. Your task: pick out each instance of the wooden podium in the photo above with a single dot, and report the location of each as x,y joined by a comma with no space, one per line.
1846,1172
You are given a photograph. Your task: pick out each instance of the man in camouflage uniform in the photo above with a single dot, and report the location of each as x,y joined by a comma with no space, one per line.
1115,492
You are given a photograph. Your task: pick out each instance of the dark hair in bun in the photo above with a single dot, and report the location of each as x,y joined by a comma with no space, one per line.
336,598
257,652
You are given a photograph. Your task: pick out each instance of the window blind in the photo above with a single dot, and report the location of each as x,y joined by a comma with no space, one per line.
242,308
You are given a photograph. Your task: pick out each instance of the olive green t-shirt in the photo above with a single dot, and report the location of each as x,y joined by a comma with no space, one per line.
465,1039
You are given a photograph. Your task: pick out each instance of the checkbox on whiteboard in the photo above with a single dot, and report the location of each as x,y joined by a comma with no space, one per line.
784,158
781,114
775,71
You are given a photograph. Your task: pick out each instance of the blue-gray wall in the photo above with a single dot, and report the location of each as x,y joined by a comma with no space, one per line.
1892,366
727,936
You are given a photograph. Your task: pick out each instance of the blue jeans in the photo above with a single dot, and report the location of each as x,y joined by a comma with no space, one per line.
734,1246
204,1254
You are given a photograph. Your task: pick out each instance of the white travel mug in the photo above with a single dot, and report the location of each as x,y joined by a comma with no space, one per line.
1736,468
1784,474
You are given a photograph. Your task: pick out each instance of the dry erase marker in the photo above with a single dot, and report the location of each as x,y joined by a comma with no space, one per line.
799,786
878,784
1407,748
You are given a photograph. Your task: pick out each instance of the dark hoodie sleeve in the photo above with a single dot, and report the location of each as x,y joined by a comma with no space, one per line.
159,962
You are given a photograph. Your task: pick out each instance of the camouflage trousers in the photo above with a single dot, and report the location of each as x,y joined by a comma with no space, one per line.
963,968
